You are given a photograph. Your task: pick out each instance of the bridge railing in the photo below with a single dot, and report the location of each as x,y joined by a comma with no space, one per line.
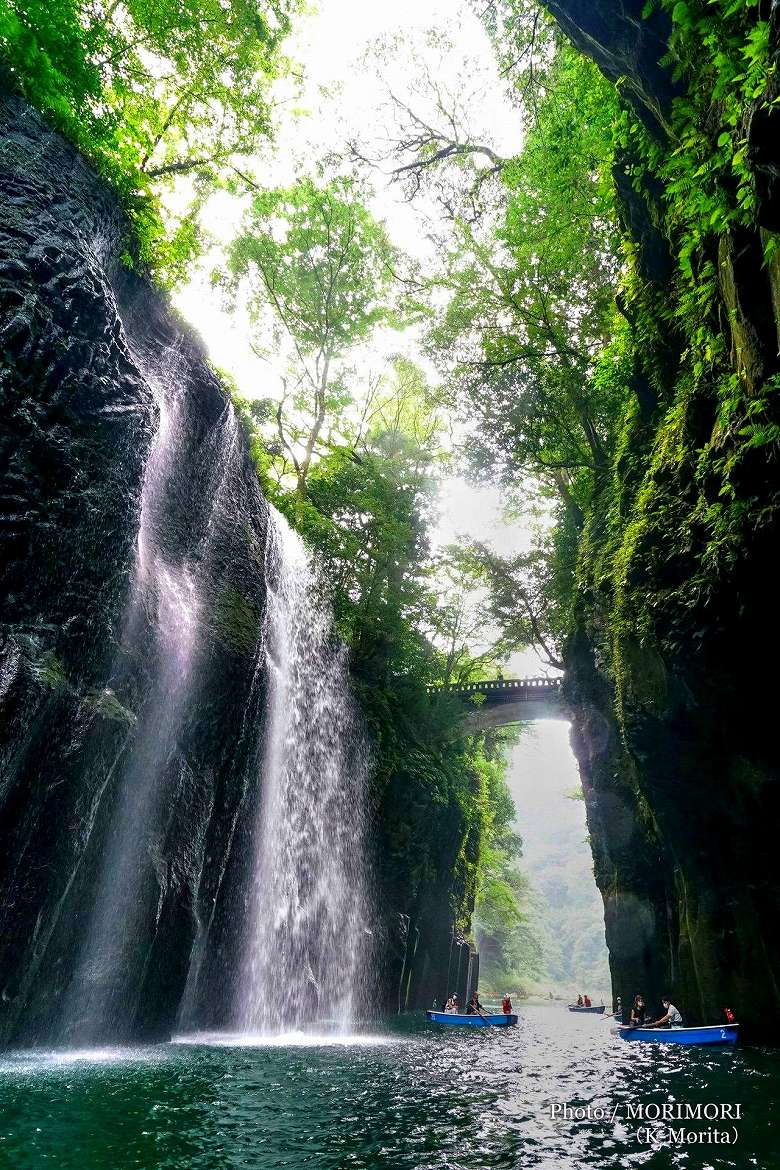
535,687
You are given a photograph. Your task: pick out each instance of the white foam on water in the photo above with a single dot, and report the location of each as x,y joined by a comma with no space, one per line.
292,1039
36,1060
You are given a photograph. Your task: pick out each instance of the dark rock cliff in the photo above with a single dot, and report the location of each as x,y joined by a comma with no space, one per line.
677,637
426,860
133,562
91,356
627,41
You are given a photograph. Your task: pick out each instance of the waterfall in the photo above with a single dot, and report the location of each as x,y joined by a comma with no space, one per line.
307,943
301,782
161,641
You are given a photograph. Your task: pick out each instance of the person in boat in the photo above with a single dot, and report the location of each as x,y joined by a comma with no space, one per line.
638,1012
617,1010
671,1017
579,1000
474,1007
449,1005
730,1017
506,1005
586,1001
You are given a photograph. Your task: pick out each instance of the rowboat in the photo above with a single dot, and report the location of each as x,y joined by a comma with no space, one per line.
598,1011
471,1021
710,1034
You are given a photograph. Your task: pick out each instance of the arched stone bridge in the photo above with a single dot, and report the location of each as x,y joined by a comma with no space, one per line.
496,702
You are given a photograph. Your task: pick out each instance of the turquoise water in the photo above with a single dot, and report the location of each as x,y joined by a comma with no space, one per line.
409,1096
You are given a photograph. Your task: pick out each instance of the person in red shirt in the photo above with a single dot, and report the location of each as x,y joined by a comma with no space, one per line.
587,1001
506,1005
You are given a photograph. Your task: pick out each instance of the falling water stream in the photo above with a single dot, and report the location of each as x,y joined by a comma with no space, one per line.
162,629
163,599
278,1091
307,942
305,935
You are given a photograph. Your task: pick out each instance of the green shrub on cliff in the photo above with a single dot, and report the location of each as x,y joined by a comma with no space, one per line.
150,91
611,328
689,492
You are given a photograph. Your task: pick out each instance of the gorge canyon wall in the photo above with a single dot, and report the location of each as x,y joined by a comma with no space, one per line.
133,675
134,565
133,547
671,664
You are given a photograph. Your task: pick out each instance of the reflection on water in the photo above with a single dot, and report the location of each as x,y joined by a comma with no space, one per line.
414,1098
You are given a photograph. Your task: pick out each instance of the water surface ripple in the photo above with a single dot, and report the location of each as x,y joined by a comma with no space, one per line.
410,1097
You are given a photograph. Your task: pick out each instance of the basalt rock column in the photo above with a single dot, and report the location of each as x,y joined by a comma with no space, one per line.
132,544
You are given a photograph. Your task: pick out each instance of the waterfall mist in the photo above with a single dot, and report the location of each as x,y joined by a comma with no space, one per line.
302,950
148,691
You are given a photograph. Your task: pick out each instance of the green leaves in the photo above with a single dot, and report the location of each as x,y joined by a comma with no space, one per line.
531,299
509,940
318,260
681,14
317,273
150,89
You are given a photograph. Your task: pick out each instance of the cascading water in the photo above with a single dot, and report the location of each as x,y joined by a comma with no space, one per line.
308,935
162,631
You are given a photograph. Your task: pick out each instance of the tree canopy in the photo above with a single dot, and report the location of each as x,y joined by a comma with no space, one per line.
531,296
151,90
521,342
316,270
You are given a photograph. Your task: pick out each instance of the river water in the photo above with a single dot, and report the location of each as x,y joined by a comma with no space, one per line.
407,1096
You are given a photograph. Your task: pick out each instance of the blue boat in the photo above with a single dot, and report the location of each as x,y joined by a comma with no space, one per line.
471,1021
710,1034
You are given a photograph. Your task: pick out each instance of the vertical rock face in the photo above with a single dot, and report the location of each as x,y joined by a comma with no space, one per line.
626,40
426,888
677,635
133,697
132,534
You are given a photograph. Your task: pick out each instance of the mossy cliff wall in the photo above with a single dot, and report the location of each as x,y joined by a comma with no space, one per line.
673,659
427,854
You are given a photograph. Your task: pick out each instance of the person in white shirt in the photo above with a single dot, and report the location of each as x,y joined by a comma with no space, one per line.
671,1017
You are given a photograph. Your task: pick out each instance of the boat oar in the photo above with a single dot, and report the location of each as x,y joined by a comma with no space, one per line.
488,1022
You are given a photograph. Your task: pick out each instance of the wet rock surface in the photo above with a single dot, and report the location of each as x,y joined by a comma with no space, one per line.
133,679
626,39
91,355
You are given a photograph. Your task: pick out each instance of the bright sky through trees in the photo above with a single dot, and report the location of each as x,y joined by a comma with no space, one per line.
342,100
